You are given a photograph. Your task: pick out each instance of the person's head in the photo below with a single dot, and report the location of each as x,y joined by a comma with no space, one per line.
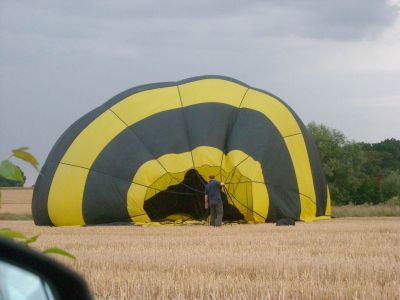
212,177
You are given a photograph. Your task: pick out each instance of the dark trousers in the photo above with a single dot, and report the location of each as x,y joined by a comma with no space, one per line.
216,213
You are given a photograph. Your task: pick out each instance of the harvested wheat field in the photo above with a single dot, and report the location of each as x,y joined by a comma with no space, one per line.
16,200
337,259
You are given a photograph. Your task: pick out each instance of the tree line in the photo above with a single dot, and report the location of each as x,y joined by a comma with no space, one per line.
358,172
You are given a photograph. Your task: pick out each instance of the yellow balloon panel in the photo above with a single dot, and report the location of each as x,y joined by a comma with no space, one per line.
212,90
274,110
176,163
149,172
251,169
135,200
221,175
66,194
248,200
234,158
151,193
240,196
205,155
298,153
150,102
260,201
234,176
163,183
328,202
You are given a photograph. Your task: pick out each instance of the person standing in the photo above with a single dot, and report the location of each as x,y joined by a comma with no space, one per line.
213,200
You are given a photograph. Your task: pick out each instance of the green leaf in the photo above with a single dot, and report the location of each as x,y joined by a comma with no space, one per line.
59,251
11,234
31,239
21,153
21,149
10,171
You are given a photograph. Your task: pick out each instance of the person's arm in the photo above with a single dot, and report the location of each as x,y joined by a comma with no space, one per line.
206,201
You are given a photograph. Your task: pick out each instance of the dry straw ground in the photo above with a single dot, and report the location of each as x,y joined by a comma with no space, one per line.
337,259
15,200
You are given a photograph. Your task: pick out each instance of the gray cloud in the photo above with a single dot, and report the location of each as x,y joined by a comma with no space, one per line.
350,19
341,20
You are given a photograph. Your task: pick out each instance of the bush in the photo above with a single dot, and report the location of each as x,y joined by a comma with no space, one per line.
391,186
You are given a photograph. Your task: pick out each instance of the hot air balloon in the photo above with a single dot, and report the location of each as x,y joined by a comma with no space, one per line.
146,154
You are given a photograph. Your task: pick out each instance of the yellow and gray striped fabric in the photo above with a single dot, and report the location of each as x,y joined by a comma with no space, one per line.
144,154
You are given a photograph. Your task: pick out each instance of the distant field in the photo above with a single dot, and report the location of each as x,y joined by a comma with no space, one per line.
337,259
16,201
390,209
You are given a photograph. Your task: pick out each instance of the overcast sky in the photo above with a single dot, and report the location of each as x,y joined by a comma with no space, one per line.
333,62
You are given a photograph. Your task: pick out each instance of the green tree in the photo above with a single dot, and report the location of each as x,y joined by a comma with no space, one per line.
389,151
344,163
329,141
391,185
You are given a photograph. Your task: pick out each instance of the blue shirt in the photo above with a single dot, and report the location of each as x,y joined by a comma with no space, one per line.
213,191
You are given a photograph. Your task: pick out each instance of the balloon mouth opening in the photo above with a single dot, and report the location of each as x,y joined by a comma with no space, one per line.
185,201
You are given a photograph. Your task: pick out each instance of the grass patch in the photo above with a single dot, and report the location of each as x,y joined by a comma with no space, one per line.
389,209
15,217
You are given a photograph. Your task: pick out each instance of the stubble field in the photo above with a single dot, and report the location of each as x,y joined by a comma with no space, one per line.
339,259
15,201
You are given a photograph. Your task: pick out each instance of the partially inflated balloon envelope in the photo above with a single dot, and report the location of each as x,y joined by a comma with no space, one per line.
145,155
